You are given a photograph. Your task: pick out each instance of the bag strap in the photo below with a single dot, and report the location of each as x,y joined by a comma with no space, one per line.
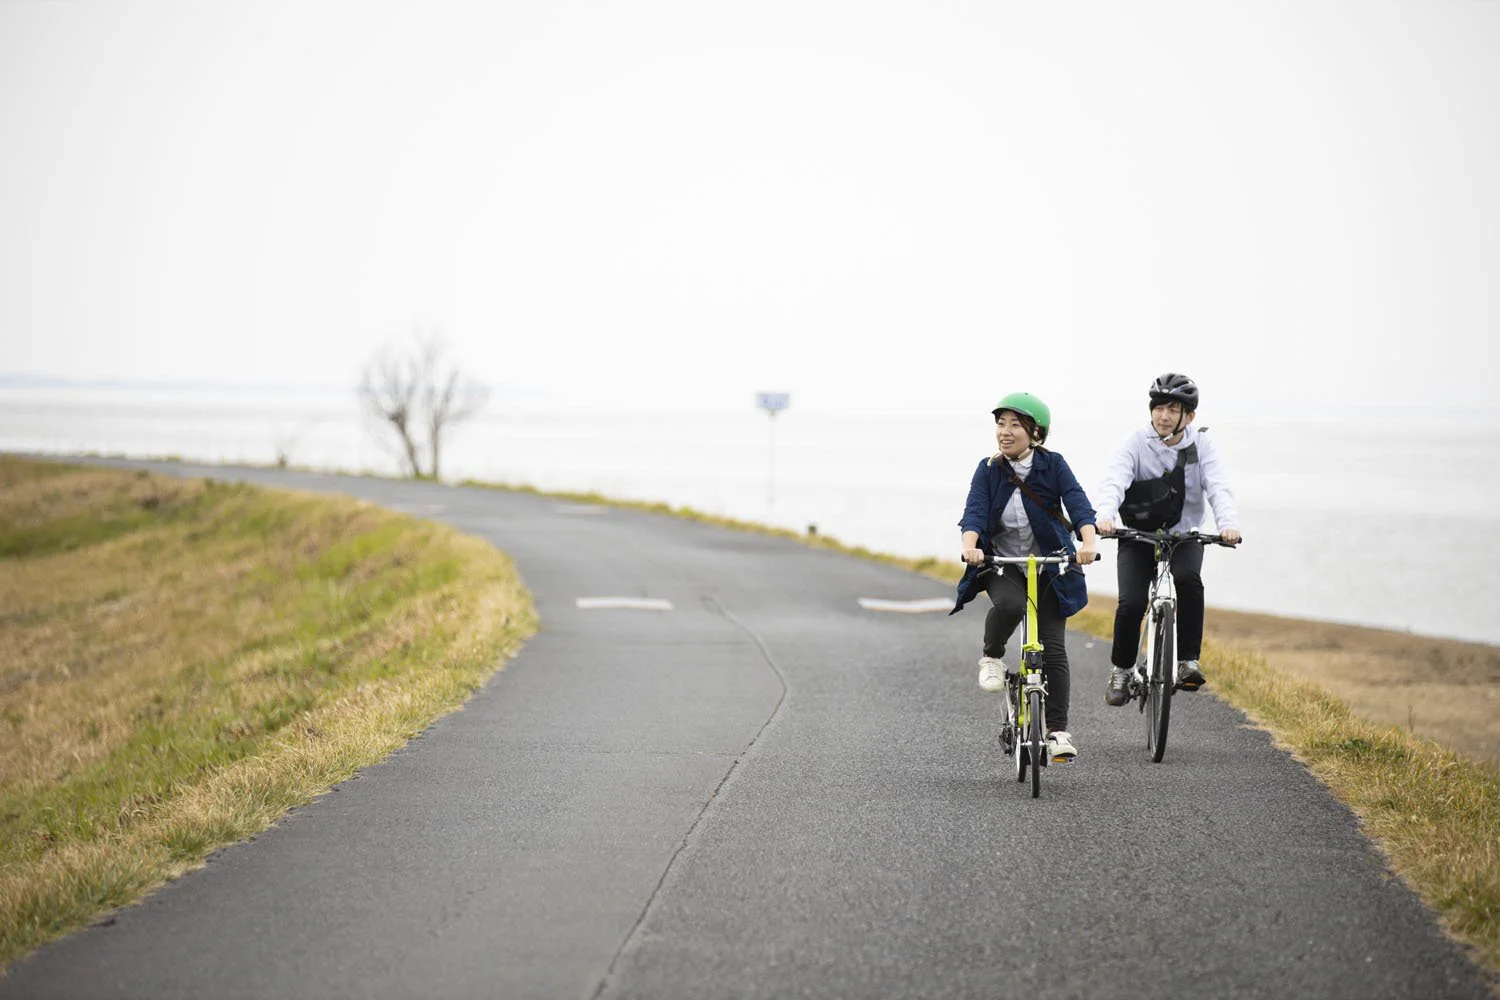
1056,512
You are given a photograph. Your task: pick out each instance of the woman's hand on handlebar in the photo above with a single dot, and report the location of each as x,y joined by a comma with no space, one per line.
974,557
1231,536
1105,527
1089,550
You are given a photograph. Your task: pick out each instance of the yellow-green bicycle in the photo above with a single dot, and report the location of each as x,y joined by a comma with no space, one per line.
1023,734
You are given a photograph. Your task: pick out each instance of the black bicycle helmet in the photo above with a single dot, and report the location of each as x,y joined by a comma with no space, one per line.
1175,387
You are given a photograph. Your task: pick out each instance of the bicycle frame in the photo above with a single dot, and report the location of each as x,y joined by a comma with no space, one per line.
1026,690
1030,679
1163,596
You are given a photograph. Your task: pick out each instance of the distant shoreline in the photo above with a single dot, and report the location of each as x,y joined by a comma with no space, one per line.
1248,620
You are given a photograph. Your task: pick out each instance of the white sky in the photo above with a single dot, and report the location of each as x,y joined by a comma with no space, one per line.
894,205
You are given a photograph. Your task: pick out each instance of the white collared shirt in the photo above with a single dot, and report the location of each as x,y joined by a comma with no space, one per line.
1015,537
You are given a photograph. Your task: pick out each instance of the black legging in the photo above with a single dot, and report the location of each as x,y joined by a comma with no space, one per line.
1008,595
1137,568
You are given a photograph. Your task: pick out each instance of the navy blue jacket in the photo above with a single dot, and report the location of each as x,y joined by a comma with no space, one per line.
1051,480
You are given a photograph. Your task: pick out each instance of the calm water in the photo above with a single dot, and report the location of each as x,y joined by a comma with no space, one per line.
1389,523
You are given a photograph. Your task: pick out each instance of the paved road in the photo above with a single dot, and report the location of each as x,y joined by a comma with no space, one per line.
769,792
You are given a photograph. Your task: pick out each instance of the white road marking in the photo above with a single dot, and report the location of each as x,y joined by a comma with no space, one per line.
907,607
581,508
633,603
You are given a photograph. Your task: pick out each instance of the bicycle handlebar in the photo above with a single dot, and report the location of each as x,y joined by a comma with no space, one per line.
1136,535
1065,561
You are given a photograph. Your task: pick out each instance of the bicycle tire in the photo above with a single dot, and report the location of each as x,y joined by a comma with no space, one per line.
1162,679
1018,738
1038,741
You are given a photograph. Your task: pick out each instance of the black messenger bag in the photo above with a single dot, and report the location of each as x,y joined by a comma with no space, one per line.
1150,504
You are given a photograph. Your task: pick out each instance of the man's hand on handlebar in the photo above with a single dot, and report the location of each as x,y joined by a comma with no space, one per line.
974,557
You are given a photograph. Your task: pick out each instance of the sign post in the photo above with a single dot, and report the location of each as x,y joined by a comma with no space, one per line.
773,403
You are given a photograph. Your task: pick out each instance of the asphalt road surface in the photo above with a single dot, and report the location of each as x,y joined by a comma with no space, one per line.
769,791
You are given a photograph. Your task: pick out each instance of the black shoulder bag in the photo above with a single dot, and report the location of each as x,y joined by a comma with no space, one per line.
1151,504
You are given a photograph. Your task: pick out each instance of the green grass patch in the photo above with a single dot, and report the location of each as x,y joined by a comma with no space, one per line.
181,661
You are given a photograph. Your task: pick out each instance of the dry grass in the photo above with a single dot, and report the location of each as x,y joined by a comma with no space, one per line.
1441,689
182,661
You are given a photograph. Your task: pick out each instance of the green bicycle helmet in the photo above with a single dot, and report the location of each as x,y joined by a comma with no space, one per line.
1025,404
1031,411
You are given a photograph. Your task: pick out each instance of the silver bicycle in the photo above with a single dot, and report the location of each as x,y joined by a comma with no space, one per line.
1155,677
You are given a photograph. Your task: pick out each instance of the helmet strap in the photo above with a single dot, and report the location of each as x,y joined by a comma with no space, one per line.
1164,438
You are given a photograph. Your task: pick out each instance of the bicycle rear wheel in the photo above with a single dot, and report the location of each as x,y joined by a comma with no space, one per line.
1036,740
1159,685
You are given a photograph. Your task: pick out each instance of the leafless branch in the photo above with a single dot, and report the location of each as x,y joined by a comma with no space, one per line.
389,389
420,391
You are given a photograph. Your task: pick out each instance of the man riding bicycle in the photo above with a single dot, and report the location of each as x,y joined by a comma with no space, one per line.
1165,475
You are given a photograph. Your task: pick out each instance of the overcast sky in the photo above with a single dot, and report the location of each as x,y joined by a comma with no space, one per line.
897,205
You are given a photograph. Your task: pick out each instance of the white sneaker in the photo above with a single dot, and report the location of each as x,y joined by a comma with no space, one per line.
1060,746
991,673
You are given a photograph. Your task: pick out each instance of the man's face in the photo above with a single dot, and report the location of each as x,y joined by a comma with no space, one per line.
1167,418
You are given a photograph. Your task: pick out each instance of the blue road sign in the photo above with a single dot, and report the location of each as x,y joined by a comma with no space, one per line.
773,402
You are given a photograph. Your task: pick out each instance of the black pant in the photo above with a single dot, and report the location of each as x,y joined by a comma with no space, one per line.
1008,595
1136,564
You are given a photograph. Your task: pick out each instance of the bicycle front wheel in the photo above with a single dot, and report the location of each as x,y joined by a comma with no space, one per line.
1037,740
1017,729
1159,685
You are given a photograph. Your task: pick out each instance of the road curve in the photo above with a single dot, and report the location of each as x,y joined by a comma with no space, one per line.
768,791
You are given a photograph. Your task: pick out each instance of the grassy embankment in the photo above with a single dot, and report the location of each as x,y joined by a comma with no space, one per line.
183,661
1433,812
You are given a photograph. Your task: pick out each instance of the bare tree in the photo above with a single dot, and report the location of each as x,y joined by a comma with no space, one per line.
416,391
447,399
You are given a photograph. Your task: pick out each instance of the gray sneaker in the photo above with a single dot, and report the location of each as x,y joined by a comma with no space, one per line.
1118,692
1189,677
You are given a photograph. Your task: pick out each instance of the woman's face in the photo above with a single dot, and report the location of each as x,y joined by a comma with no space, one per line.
1011,435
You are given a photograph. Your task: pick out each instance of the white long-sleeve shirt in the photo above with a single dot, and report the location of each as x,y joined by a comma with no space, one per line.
1144,456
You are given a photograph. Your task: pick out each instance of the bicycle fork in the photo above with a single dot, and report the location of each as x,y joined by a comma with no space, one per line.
1018,691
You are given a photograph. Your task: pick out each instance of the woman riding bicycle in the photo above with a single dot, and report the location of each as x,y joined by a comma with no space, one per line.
1014,509
1164,476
